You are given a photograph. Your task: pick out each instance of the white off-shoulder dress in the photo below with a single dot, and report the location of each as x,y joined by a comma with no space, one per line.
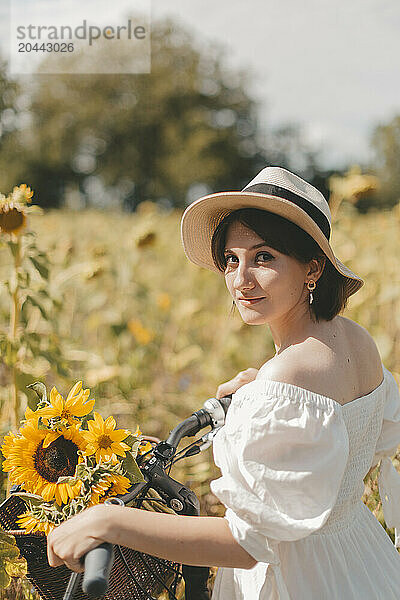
292,463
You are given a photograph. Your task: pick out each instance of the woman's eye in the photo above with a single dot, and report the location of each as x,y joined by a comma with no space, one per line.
266,256
263,256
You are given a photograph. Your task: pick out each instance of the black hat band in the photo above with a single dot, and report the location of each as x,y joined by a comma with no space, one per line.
314,212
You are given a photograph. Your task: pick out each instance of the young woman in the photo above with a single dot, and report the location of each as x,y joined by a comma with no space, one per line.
302,431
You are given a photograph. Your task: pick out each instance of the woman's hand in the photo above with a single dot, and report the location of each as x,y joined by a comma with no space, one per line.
230,387
71,540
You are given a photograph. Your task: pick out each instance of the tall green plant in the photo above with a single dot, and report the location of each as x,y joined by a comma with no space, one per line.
27,287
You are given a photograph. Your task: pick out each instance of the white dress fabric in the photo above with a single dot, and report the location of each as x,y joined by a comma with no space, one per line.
292,466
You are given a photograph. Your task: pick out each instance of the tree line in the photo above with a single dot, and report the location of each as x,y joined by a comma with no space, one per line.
187,128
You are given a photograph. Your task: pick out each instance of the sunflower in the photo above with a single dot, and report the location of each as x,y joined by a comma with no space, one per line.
104,440
142,335
12,217
37,467
112,485
144,447
8,444
22,193
31,523
65,413
164,301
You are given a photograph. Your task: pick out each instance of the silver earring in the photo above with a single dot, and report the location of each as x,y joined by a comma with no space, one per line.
311,286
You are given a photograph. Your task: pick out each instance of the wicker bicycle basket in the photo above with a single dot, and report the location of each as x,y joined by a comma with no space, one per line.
134,575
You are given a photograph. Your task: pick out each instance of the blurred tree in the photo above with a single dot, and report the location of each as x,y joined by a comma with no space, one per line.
386,144
289,149
8,120
184,129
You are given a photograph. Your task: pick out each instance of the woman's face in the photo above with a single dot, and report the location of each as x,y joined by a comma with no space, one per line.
255,270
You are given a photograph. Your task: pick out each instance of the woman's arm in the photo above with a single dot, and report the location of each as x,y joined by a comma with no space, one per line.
200,541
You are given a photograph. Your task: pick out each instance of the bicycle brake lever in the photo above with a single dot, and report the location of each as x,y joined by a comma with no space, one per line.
208,438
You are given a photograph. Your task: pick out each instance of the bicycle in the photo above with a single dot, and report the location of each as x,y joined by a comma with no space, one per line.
120,573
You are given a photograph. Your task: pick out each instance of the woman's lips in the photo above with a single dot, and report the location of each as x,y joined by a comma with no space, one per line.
250,301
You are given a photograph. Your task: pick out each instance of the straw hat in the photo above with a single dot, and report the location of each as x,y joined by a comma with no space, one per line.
276,190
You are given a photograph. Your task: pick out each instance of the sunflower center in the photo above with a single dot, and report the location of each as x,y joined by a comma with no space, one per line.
11,220
104,441
57,460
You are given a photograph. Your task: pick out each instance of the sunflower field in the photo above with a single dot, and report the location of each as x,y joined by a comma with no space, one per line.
110,299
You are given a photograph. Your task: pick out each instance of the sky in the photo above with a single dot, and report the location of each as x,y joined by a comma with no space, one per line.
331,67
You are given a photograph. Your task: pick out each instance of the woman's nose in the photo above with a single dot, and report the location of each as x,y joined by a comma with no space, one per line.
243,277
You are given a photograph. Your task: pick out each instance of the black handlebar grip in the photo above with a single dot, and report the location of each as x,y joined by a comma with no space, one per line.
98,563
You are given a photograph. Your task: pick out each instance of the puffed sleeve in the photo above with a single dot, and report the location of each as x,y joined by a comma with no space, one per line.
386,446
282,457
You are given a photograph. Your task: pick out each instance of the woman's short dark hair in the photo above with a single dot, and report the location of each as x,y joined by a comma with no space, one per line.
330,297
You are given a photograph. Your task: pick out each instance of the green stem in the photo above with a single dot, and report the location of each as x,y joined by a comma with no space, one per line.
14,319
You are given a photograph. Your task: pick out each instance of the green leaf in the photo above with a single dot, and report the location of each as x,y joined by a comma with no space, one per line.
5,579
16,568
13,247
40,267
40,424
33,499
86,418
32,340
132,470
130,440
9,352
69,480
7,538
40,306
43,292
135,448
80,470
23,379
33,398
8,551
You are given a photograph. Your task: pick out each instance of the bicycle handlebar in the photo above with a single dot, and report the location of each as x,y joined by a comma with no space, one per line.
98,562
212,414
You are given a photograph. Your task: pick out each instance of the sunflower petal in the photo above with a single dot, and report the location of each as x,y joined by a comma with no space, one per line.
29,413
47,412
110,423
74,391
94,427
56,400
81,409
63,492
118,435
50,437
91,449
53,393
98,419
89,436
117,449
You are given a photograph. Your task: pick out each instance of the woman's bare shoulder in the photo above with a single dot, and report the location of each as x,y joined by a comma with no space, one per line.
349,368
362,341
287,368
